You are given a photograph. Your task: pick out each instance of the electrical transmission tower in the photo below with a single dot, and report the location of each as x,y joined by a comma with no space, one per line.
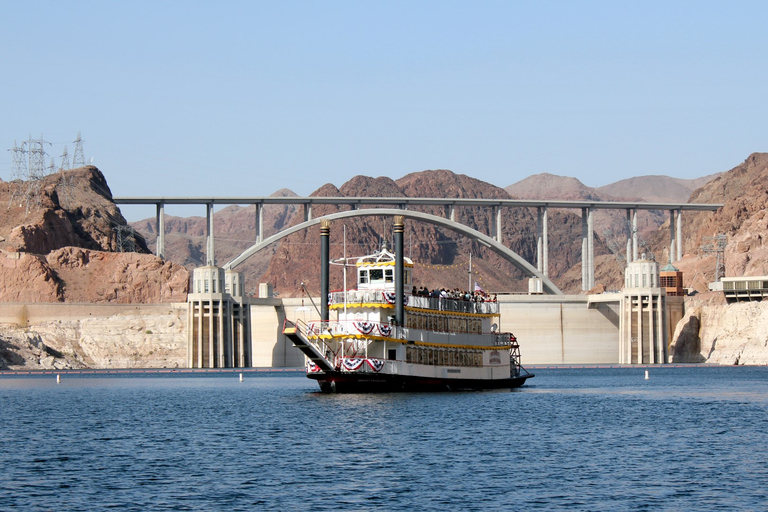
19,165
125,239
64,160
36,155
18,171
718,247
29,168
78,158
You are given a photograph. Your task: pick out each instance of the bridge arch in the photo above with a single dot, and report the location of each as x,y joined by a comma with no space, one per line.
487,241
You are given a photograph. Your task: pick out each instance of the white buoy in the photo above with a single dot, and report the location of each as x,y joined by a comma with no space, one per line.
646,374
241,377
58,379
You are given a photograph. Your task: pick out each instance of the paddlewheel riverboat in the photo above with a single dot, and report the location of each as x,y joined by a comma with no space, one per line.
379,343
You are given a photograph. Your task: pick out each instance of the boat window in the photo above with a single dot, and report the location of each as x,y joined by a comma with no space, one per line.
363,276
377,274
389,275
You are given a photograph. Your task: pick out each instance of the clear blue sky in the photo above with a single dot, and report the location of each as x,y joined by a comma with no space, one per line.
244,98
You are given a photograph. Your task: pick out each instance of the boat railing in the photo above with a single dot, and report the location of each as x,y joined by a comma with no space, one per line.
349,327
308,332
448,304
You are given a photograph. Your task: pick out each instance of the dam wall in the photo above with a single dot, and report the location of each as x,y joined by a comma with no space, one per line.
571,329
564,329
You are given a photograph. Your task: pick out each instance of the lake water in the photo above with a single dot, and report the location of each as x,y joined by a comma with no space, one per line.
577,439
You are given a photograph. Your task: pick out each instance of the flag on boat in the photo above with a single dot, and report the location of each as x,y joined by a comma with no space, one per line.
477,287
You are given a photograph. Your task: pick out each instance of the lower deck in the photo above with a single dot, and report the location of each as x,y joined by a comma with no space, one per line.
339,382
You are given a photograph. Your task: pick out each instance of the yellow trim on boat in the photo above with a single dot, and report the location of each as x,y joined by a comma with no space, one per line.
380,264
361,305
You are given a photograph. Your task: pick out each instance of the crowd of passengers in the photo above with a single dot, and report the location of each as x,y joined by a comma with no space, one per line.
457,294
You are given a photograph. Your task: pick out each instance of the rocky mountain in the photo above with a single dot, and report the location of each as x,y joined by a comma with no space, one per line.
62,239
654,189
551,186
744,193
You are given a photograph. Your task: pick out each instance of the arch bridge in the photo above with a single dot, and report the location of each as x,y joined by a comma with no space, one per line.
390,206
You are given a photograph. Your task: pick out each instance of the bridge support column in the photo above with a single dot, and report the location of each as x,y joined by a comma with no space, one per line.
542,244
160,229
672,236
209,257
307,212
587,250
635,235
259,222
679,226
450,212
591,248
545,231
497,212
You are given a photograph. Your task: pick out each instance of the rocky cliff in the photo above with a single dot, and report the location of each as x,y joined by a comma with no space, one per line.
719,333
152,337
63,239
713,331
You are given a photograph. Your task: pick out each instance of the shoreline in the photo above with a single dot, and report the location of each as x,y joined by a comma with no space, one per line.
202,371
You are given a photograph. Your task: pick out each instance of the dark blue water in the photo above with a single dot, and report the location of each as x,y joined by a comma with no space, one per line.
576,439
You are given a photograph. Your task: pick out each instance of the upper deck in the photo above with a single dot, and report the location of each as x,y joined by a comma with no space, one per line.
376,288
386,298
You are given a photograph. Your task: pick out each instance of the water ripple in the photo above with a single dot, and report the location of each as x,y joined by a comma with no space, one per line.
601,439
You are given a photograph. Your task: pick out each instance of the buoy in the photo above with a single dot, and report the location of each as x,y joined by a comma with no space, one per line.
58,379
241,377
646,374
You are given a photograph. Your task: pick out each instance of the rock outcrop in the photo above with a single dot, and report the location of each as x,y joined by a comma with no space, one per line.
726,334
152,339
63,239
68,208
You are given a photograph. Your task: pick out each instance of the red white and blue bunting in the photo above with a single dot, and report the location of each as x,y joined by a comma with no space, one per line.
364,327
352,363
375,364
385,330
355,363
312,367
